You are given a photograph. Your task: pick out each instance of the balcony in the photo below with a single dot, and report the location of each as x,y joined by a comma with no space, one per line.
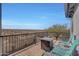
27,44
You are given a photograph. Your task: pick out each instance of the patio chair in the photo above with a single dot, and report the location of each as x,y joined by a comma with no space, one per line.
58,51
66,44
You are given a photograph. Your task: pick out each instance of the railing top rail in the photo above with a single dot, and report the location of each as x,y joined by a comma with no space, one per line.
21,34
25,33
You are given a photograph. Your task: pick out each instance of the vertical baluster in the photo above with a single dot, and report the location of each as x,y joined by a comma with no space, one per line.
20,42
25,40
6,44
34,38
12,44
9,44
17,42
2,46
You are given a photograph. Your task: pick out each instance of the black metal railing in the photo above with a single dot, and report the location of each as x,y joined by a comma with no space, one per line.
15,42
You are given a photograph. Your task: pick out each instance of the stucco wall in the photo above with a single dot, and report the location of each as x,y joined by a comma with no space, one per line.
75,20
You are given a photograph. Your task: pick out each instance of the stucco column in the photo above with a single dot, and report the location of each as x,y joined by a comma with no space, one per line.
76,23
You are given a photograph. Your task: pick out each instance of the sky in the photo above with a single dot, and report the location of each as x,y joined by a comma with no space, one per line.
33,16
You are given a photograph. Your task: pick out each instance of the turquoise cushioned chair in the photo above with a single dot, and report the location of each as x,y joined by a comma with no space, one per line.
59,51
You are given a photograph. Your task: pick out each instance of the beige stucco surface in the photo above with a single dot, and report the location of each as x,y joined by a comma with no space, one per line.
76,23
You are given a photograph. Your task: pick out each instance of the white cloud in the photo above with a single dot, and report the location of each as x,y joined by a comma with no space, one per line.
13,24
19,25
43,17
34,24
